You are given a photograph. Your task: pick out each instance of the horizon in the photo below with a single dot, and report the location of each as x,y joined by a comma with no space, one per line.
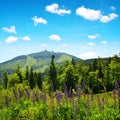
78,28
54,52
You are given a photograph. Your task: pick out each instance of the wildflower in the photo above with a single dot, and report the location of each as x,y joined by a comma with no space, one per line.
44,97
58,97
20,93
116,85
15,94
28,93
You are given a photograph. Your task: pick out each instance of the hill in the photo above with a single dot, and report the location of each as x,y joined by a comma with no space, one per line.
39,61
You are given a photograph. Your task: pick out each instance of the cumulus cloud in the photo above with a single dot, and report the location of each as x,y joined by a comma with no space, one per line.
108,18
54,8
93,36
91,14
12,29
37,20
112,8
54,37
26,38
104,42
11,39
87,55
88,14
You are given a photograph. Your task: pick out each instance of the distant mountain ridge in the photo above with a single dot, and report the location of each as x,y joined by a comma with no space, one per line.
39,60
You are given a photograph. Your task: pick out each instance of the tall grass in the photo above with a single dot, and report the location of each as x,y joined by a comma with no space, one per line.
26,104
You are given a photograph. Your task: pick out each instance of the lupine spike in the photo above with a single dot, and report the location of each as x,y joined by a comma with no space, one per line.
28,93
15,94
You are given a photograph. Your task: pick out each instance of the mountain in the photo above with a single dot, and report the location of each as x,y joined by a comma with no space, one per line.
39,61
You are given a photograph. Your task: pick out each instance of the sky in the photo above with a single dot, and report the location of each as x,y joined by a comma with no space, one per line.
83,28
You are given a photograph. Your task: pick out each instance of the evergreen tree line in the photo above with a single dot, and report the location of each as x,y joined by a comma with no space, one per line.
99,75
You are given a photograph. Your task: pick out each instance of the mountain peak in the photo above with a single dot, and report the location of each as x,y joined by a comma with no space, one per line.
39,60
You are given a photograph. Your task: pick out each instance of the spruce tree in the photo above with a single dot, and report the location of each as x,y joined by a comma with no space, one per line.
39,81
53,73
27,74
31,79
5,79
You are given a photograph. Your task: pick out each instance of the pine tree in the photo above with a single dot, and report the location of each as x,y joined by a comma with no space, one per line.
27,74
5,79
39,81
53,73
31,79
18,71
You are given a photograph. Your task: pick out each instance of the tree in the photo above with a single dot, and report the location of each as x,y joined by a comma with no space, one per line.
39,81
31,79
5,79
27,74
53,73
19,73
13,79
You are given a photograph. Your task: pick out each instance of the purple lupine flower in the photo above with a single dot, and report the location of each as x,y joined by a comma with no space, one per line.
58,97
44,97
28,93
7,100
116,85
15,94
20,93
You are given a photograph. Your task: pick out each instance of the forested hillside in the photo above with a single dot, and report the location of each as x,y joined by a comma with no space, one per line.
99,74
39,61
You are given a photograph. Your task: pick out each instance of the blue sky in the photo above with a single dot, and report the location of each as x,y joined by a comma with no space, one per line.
84,28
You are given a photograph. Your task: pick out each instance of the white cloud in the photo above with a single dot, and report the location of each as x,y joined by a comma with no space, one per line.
104,42
37,20
108,18
26,38
44,45
112,8
54,37
89,14
93,36
0,42
88,55
11,39
64,45
54,8
90,44
12,29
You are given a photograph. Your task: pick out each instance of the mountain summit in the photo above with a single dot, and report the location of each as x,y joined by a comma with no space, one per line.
39,60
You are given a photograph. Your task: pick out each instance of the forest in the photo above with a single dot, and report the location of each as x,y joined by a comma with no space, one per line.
71,91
